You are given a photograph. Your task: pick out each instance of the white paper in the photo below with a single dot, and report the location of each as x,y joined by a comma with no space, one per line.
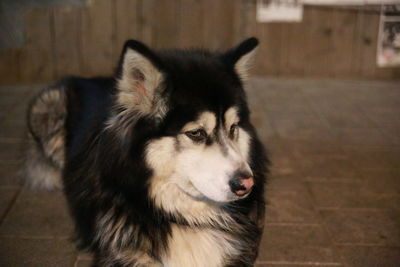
388,54
279,11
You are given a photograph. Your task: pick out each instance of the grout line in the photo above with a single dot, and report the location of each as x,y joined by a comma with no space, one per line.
300,263
66,237
325,227
11,205
355,209
291,224
366,245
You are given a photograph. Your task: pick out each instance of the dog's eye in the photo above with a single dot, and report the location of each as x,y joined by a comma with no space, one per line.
197,135
233,130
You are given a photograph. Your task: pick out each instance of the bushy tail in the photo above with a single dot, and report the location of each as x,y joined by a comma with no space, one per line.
46,123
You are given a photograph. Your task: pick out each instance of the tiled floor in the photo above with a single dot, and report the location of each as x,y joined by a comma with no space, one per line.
334,195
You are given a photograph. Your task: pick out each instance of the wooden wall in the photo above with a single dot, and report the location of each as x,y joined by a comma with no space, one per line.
328,43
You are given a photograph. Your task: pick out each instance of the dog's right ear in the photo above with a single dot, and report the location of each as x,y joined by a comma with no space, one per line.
139,79
241,57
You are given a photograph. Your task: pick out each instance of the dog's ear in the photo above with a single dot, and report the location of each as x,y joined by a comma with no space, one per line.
242,56
139,79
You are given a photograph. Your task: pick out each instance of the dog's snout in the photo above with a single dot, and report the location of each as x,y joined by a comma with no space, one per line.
241,183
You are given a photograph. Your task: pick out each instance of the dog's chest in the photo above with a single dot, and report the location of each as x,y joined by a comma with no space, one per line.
199,248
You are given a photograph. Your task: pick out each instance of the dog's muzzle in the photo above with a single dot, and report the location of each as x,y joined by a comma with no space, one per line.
241,184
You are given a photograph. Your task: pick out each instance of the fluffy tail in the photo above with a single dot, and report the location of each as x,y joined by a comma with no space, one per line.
46,124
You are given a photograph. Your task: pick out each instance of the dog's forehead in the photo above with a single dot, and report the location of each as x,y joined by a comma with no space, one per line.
206,85
209,119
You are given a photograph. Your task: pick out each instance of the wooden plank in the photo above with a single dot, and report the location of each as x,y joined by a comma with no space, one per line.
368,43
165,23
217,23
127,23
67,43
224,24
238,21
292,47
344,32
147,8
319,43
37,58
250,26
191,23
357,53
97,31
273,42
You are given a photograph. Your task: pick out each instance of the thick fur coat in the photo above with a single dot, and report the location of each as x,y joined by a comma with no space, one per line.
147,158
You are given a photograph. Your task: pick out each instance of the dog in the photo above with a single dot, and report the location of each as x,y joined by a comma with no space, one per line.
160,164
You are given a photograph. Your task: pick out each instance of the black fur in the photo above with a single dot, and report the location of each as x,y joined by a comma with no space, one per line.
106,175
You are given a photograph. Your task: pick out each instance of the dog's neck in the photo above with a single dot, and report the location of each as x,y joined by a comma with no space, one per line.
185,209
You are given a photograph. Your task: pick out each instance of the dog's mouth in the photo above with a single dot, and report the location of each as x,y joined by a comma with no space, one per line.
190,190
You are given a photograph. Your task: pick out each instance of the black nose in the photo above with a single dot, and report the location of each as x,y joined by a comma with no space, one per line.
241,183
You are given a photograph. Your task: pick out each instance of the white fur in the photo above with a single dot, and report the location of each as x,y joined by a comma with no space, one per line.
206,120
39,173
199,247
193,178
136,93
243,65
231,117
166,187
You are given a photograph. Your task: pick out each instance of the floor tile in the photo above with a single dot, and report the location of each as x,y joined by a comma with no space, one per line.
292,253
11,152
10,174
289,207
370,256
17,252
295,233
38,214
350,195
7,197
366,227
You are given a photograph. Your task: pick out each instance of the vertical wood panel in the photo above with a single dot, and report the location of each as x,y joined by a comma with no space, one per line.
344,32
66,41
293,43
97,38
165,24
127,23
37,62
86,41
237,21
319,47
369,28
217,23
272,41
147,8
191,23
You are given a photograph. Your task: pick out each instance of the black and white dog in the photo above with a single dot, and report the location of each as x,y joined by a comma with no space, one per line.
160,164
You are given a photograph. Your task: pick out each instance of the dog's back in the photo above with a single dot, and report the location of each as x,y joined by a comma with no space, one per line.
52,128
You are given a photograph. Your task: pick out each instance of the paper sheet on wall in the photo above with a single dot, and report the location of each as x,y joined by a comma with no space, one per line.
388,54
279,11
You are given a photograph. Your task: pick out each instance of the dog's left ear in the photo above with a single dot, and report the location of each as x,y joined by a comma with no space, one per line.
242,56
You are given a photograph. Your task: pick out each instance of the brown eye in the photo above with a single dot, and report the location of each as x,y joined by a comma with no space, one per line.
233,130
197,135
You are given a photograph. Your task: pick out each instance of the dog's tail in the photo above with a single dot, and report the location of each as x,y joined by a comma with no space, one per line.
46,124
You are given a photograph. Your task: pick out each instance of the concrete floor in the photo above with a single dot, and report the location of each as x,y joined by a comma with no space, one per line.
334,195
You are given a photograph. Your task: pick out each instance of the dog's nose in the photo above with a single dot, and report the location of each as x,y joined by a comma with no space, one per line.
241,184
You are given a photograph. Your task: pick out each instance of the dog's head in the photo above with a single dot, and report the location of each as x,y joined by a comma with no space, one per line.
194,103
